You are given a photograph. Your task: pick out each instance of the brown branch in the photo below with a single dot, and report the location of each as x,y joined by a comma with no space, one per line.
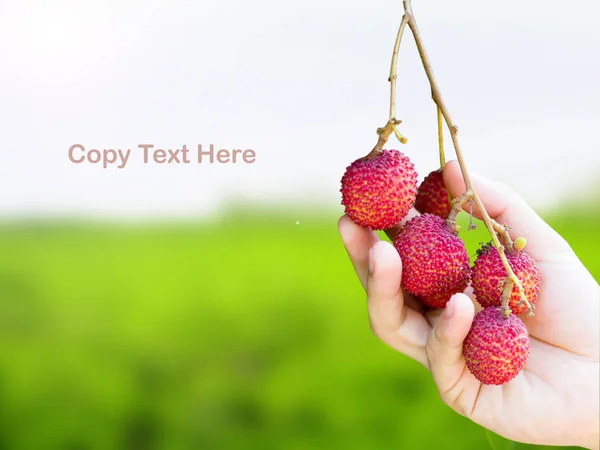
440,128
393,69
457,205
506,293
384,134
439,101
502,231
391,126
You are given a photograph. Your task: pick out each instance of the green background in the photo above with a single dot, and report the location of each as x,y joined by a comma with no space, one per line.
246,332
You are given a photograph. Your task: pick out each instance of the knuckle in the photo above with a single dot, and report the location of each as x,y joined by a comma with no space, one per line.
431,355
432,348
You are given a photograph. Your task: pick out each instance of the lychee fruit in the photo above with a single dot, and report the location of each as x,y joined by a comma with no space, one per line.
496,347
440,299
434,260
432,197
378,192
488,277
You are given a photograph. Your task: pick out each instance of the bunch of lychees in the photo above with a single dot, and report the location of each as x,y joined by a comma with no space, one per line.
378,191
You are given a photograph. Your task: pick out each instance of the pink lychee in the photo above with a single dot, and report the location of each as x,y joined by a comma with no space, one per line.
496,347
432,197
488,277
378,192
434,260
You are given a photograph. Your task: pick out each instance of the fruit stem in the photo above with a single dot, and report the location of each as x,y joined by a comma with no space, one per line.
530,307
384,134
440,128
393,72
391,126
437,98
506,293
502,231
457,205
399,136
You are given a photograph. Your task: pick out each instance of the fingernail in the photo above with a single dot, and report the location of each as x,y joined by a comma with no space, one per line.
450,308
343,226
371,265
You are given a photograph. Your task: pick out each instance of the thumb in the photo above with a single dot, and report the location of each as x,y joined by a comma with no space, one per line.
444,347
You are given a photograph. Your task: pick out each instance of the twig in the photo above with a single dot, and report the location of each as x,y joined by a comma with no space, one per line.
440,127
391,126
439,101
393,69
384,134
457,205
506,294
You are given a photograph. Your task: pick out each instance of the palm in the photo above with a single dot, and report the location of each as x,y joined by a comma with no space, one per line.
554,400
562,353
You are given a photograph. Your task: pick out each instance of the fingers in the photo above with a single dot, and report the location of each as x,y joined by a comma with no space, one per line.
358,241
457,387
507,207
399,326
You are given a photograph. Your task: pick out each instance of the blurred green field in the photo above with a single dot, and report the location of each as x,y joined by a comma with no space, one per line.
249,332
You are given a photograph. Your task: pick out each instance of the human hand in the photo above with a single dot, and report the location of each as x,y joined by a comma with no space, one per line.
554,399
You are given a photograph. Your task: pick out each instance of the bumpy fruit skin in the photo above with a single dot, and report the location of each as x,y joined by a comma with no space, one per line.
434,260
488,275
377,193
496,347
439,300
432,197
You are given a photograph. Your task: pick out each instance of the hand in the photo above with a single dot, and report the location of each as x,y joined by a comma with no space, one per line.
554,399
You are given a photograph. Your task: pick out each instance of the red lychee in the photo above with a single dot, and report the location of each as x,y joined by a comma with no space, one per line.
488,277
496,347
434,260
439,300
432,196
377,193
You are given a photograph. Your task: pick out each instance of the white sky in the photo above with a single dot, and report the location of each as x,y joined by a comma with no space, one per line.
304,84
